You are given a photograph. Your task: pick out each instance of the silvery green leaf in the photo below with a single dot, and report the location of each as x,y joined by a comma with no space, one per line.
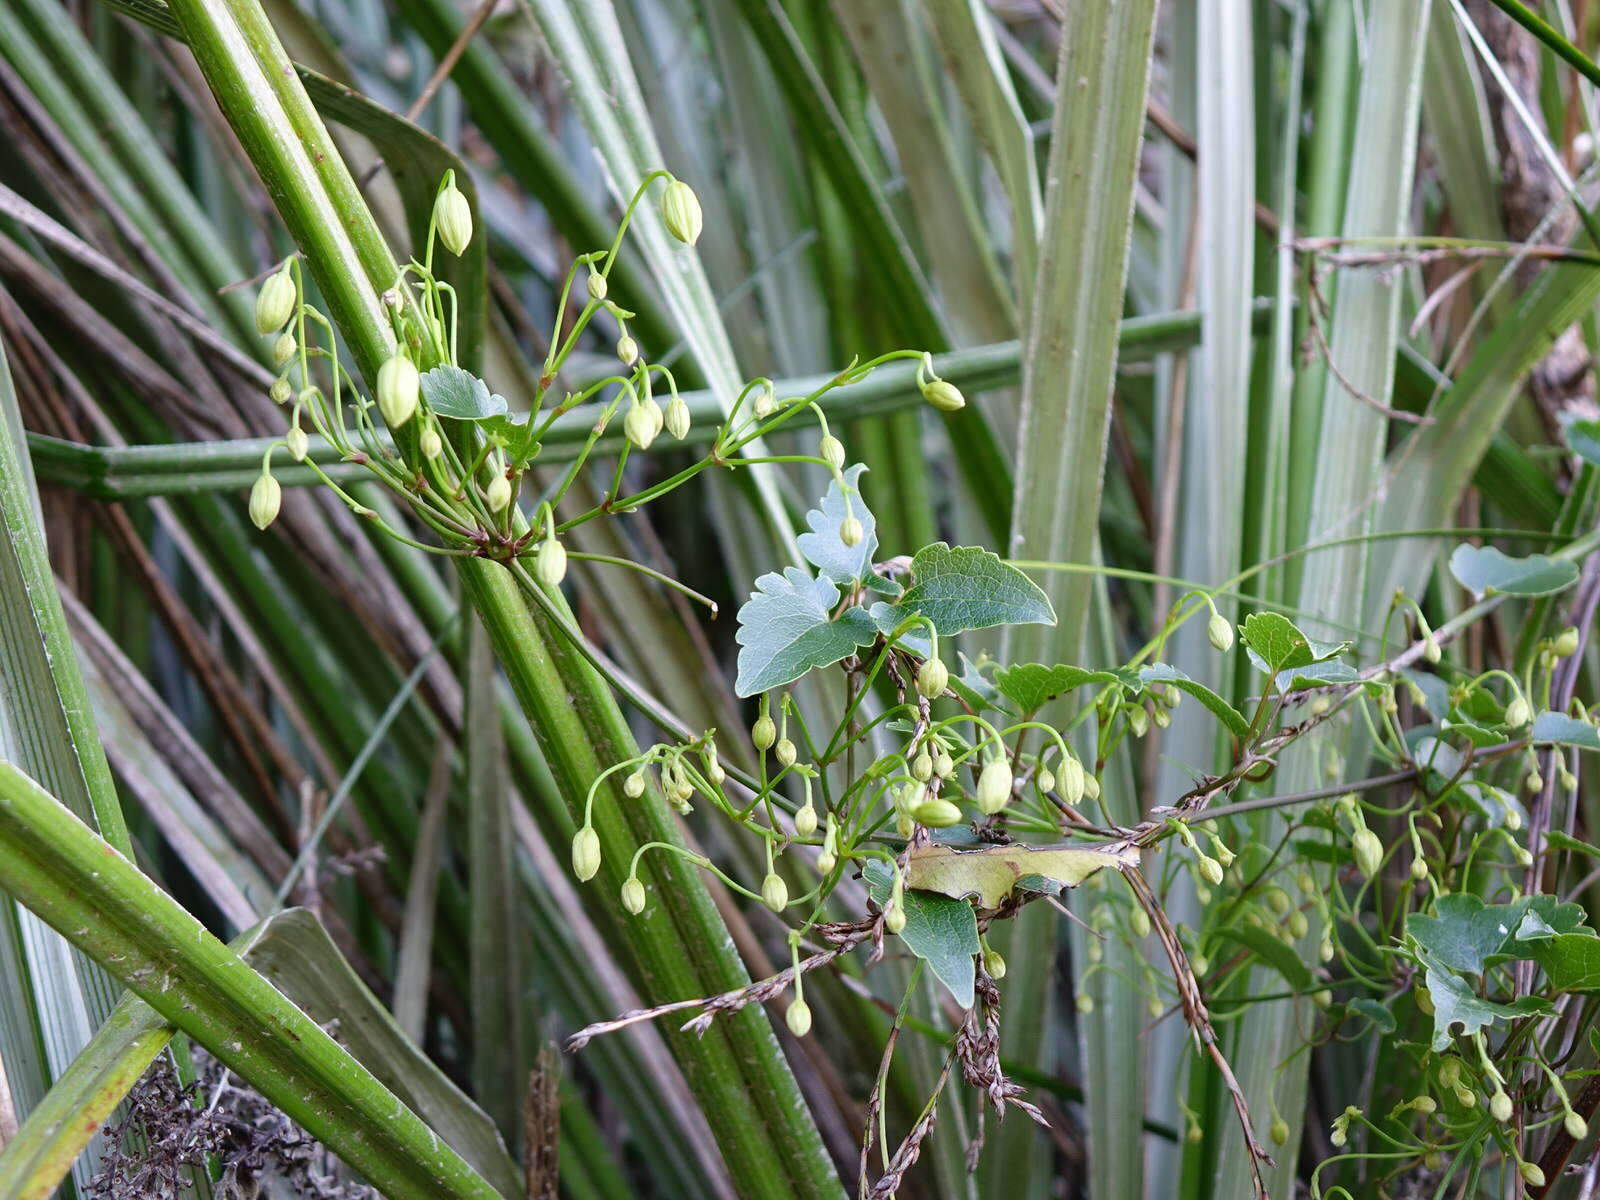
461,395
786,629
1483,570
1565,731
970,588
940,931
823,547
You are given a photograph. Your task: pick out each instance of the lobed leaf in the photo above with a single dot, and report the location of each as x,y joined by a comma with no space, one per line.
1484,570
786,629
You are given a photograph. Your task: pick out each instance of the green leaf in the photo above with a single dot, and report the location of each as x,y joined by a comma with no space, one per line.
940,931
823,547
461,395
991,873
1377,1013
1273,951
1276,644
1557,840
970,588
1583,436
1563,730
976,688
1456,1004
1323,674
1030,686
1483,570
1466,934
785,630
1215,704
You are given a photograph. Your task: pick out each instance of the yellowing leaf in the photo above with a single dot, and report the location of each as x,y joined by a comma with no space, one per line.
991,873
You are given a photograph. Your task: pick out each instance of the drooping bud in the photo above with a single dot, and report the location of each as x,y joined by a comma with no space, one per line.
1532,1174
266,497
805,820
936,813
1210,870
633,785
932,679
798,1018
1566,643
1139,923
677,417
850,531
1046,779
943,395
498,494
627,350
994,964
922,767
1279,1131
1220,631
1368,849
831,451
829,857
784,751
633,895
297,442
763,733
430,443
766,402
585,853
1577,1128
943,765
596,286
642,423
275,301
774,892
452,216
399,386
994,785
680,212
550,562
894,917
1071,780
1084,1003
1518,713
1500,1106
284,348
281,390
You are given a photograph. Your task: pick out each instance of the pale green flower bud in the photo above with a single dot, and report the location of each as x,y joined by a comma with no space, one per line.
805,821
1368,849
1518,713
994,786
1140,923
785,753
1298,925
399,386
774,892
922,767
633,785
1430,648
275,301
763,733
1426,1105
297,442
430,443
642,423
627,349
452,217
1500,1106
677,417
944,396
1220,632
798,1018
284,348
1210,870
1072,780
266,497
680,212
829,857
281,391
1046,779
498,494
831,452
597,287
1084,1003
1577,1129
1566,643
1279,1131
1138,720
633,895
585,853
932,679
850,531
1531,1173
550,562
1091,787
936,813
994,964
765,403
943,765
894,917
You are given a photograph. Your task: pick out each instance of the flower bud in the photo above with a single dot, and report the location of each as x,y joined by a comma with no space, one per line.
993,963
1518,713
943,765
798,1018
642,423
850,531
1210,870
774,892
275,301
1071,780
1279,1131
284,348
1531,1173
297,442
1084,1003
784,751
633,895
399,385
805,821
829,857
680,212
281,391
932,679
1534,782
1426,1105
1298,925
1430,648
1140,923
266,497
1368,849
627,350
452,216
994,786
1500,1106
677,418
763,733
430,443
1138,720
944,396
597,288
585,853
894,917
922,767
1577,1129
550,562
831,451
1566,644
633,785
498,494
936,813
1220,631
